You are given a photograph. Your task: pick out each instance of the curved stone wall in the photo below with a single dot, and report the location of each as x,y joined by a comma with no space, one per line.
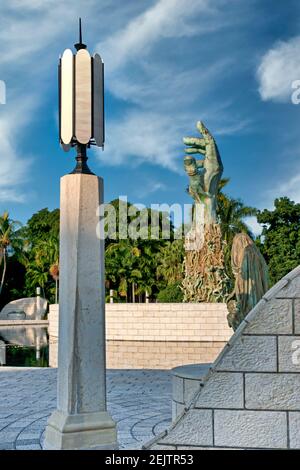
250,396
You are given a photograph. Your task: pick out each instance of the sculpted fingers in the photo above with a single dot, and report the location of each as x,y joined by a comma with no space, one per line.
192,150
194,141
202,129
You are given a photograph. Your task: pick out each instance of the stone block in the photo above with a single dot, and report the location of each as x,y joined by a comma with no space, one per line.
276,289
272,391
222,390
250,429
297,316
289,353
291,290
294,429
177,409
195,428
162,447
275,317
250,353
177,392
190,388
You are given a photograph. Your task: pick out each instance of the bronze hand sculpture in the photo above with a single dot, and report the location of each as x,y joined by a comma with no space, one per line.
204,174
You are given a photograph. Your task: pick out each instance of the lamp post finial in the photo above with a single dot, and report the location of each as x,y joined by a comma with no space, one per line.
79,45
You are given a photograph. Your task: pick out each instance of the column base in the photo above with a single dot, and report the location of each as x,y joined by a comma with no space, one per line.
84,431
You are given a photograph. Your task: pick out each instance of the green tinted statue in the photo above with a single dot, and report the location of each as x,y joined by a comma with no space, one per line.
251,278
205,174
205,276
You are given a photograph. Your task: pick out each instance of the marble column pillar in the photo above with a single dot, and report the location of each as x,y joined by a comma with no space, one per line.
81,420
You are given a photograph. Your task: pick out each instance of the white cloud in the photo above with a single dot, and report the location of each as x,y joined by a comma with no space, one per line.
290,188
158,88
149,186
142,136
254,226
279,67
14,168
165,19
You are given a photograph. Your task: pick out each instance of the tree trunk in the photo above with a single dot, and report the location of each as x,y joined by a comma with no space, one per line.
4,270
133,293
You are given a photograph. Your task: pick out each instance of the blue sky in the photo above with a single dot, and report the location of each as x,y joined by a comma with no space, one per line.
168,64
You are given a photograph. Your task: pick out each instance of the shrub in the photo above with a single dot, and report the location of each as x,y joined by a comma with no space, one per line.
172,293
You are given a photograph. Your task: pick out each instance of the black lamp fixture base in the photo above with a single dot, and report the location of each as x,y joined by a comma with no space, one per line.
81,159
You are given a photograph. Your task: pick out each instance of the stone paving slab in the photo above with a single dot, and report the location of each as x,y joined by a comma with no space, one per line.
138,400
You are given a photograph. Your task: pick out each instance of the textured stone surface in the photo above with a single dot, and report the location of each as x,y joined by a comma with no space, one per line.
164,447
195,428
191,387
81,352
250,353
248,429
177,389
177,409
275,317
158,336
291,290
222,390
139,401
272,391
294,421
164,322
33,307
262,359
289,353
297,316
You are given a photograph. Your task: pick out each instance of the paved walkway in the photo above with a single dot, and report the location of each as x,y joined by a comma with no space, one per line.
138,400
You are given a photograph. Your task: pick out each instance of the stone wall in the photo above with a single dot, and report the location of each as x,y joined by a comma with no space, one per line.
250,396
157,336
32,307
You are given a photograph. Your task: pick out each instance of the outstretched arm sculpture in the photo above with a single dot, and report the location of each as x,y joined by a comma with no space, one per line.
204,174
205,277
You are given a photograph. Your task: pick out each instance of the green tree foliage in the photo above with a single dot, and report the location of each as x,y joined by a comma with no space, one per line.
280,239
42,235
131,264
170,262
41,226
11,244
172,293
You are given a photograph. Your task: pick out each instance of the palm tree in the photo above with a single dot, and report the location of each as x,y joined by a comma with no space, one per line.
53,253
170,260
232,213
9,238
44,261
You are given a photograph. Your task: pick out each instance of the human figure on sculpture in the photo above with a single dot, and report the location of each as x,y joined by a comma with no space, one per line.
204,174
251,278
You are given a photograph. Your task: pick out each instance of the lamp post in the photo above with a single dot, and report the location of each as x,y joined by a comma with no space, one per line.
81,420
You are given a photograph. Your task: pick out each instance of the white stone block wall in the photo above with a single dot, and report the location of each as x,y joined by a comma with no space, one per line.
167,322
157,335
250,397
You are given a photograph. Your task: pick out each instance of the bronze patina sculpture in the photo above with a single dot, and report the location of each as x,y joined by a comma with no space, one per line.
251,278
205,276
205,174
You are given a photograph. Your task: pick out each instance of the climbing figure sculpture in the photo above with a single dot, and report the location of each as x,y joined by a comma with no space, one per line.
205,277
205,174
